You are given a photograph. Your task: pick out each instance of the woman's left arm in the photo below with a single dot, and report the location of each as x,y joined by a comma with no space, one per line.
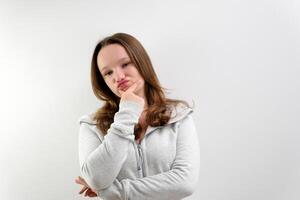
177,183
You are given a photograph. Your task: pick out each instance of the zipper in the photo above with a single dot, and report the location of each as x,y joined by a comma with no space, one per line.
140,160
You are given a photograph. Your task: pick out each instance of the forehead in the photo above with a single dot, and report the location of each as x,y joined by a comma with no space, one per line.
110,55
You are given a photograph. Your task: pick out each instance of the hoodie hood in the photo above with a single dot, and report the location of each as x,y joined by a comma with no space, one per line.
179,112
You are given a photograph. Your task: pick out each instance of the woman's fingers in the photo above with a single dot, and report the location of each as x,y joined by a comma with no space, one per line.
132,87
89,192
81,181
78,181
83,189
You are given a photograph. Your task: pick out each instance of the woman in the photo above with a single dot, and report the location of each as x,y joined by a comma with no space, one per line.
139,144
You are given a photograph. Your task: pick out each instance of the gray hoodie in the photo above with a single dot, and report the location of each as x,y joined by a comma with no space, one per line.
164,166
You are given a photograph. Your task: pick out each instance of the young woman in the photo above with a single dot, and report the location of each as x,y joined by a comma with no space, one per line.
139,144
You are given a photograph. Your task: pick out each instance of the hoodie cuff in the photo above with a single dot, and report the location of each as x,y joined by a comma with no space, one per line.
127,116
132,105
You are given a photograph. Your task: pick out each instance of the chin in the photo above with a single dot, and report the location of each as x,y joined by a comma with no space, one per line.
117,93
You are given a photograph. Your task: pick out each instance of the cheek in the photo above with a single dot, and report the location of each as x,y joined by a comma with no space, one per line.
110,85
112,88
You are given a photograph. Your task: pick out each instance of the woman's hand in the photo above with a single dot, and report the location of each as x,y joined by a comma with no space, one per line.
86,188
130,94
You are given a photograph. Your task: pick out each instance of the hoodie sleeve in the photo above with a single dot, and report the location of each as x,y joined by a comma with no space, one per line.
177,183
101,161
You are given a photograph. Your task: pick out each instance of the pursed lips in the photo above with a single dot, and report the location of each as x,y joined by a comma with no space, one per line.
122,84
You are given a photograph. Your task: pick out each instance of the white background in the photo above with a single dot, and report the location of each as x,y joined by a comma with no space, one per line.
239,61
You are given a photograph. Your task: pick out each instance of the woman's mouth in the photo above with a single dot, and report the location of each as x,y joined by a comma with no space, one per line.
123,85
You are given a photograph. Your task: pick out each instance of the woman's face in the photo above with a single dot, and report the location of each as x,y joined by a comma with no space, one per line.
117,69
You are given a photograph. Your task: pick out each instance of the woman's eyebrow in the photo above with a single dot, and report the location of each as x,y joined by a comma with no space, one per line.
124,58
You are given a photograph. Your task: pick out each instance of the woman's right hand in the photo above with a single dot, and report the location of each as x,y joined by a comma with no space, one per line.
86,188
130,94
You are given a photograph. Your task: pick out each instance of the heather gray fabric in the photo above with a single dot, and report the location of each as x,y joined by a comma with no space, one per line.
164,166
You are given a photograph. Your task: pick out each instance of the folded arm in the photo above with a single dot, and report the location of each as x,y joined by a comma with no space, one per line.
101,161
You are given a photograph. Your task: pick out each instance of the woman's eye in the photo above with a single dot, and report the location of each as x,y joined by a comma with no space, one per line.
108,73
124,65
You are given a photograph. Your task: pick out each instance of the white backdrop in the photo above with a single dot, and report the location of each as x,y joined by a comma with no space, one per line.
239,61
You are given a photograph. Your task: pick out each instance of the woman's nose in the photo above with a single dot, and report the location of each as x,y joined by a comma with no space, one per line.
119,75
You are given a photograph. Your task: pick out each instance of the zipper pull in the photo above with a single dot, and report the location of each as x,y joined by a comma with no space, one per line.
140,157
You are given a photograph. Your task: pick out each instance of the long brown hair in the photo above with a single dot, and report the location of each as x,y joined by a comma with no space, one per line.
158,112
